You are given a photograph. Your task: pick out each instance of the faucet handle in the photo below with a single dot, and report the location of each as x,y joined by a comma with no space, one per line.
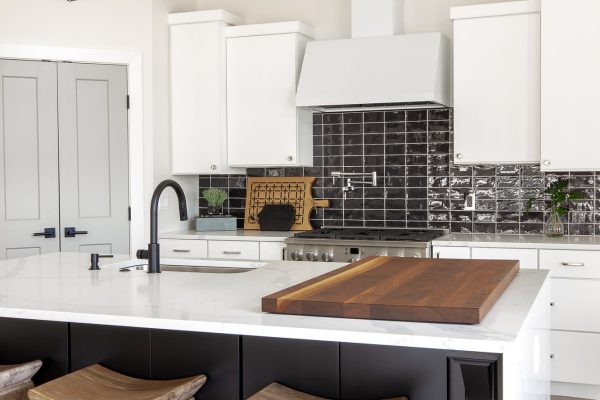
95,258
142,254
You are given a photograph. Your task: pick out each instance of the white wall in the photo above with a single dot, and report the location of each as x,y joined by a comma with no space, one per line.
331,18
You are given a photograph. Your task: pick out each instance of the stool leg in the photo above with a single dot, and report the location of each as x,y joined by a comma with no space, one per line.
17,392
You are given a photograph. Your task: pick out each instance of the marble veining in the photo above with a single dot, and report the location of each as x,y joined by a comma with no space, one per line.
59,287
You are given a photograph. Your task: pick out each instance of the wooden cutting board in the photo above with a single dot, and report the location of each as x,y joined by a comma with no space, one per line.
294,190
400,289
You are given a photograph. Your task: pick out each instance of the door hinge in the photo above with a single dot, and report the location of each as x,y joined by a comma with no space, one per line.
129,213
128,102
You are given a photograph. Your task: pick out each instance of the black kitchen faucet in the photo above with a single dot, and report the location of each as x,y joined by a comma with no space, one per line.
153,252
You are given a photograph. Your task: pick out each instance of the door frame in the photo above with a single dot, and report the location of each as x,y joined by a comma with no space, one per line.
133,61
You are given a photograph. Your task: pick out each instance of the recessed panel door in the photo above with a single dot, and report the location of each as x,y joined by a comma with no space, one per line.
29,197
94,166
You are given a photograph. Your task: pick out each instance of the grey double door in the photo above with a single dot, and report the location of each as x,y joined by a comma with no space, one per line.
64,173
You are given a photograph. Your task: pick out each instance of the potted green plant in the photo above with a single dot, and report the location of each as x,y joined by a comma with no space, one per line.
215,199
557,197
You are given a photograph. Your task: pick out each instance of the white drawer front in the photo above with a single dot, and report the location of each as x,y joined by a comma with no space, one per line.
528,257
230,249
271,251
571,263
576,357
452,252
174,248
576,305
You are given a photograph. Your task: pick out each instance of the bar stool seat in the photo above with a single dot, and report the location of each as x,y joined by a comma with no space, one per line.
15,380
276,391
98,383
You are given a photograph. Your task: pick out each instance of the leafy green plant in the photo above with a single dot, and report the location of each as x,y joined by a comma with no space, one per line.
215,197
557,197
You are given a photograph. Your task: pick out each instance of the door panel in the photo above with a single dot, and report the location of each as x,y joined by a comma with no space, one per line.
29,198
94,166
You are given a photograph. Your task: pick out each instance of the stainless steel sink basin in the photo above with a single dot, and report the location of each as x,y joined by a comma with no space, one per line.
189,268
196,266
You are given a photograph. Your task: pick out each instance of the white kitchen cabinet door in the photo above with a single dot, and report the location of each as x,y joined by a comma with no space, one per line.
264,126
198,90
452,252
528,258
233,249
571,85
497,85
176,248
576,357
576,305
571,263
271,251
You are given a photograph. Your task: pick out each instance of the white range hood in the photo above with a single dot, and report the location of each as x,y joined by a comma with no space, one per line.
376,72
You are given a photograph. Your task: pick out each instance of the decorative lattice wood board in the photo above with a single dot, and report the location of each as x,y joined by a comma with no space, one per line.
296,191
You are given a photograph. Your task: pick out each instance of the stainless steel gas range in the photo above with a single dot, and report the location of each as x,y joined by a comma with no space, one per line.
352,244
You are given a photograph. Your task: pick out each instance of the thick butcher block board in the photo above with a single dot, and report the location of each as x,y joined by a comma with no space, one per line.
400,289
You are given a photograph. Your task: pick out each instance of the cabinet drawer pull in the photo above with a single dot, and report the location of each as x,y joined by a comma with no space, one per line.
181,251
568,264
232,253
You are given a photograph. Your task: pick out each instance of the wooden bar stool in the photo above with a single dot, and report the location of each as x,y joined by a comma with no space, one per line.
275,391
98,383
15,380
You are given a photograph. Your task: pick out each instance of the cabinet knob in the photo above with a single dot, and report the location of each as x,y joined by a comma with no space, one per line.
546,162
551,355
290,158
213,167
459,156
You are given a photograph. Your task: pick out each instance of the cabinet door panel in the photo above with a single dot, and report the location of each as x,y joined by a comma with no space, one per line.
452,252
576,305
497,89
271,251
570,79
178,354
176,248
576,357
527,257
122,349
261,108
233,249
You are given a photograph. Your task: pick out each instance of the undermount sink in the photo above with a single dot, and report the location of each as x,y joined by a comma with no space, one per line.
197,266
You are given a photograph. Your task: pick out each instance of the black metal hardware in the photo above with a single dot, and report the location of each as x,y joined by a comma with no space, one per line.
72,232
95,258
49,233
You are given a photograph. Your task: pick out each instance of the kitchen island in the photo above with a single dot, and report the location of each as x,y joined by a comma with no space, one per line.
180,323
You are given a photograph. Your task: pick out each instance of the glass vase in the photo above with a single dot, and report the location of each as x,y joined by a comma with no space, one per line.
554,225
214,210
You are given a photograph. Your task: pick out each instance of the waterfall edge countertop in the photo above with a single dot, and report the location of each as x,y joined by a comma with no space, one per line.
519,241
240,234
59,287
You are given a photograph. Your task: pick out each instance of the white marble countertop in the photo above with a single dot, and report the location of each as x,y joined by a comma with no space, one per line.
59,287
240,234
519,241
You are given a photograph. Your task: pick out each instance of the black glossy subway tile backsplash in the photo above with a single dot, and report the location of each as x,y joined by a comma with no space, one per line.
418,187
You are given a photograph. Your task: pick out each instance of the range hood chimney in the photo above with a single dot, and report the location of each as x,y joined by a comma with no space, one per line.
379,67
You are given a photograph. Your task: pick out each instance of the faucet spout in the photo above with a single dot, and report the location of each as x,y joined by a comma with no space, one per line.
153,247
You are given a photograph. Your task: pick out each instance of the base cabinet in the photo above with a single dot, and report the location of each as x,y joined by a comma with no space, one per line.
26,340
239,366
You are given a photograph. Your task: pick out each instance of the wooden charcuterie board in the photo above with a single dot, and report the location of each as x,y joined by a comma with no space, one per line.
296,191
401,289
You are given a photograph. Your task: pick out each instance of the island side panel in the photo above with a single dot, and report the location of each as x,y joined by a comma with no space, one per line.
23,340
305,365
122,349
178,354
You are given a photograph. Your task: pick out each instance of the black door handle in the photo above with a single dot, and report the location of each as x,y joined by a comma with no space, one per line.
49,233
71,232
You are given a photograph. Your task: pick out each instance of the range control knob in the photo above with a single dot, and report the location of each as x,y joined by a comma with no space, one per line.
296,255
327,257
353,259
312,256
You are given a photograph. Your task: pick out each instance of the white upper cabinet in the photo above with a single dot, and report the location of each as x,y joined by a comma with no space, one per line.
570,85
198,92
263,66
497,83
